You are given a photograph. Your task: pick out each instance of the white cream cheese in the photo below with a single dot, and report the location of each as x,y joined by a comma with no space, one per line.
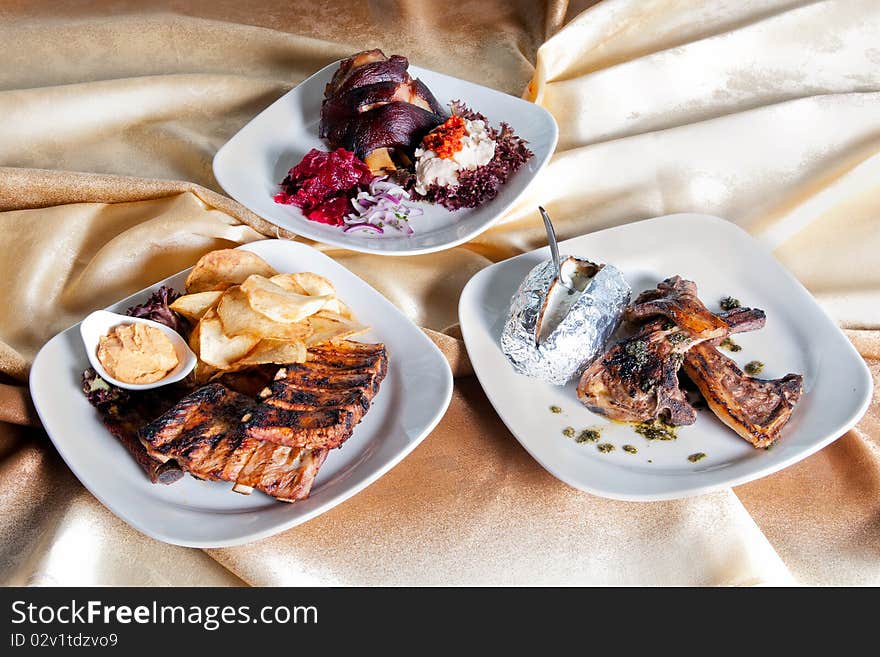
477,150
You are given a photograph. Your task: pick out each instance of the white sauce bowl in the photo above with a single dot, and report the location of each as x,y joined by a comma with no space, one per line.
100,323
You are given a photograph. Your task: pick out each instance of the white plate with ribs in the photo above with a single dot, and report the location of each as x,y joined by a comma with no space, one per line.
723,261
411,401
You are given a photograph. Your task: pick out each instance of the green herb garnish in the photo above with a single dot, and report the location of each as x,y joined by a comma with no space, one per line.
730,345
730,303
588,436
656,430
754,367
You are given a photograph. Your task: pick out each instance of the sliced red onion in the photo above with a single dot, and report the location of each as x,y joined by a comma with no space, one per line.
383,205
367,227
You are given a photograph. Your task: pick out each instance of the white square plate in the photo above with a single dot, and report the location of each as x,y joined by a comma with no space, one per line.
252,164
410,403
722,260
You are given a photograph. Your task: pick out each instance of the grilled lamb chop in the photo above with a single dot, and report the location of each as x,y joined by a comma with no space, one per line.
676,298
637,379
756,409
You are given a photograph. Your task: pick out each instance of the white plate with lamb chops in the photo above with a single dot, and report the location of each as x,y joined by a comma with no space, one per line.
724,261
253,162
411,401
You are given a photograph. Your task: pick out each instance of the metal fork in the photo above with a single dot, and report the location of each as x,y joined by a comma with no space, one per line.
554,249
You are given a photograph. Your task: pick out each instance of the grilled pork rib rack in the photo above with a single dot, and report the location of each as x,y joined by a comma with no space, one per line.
636,380
317,404
278,443
374,108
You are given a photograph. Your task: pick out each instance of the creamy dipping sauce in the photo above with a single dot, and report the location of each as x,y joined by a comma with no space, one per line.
137,353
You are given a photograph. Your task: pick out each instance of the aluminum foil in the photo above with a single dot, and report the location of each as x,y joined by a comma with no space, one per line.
580,336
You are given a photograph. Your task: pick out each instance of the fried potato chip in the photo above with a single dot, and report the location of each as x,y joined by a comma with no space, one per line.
314,285
202,371
280,352
218,349
338,307
194,306
327,326
238,318
223,268
305,282
194,338
278,304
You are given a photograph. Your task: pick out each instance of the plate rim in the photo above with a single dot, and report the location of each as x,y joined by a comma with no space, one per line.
248,537
220,155
683,491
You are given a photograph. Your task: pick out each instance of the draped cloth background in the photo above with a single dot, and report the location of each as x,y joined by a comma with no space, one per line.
765,112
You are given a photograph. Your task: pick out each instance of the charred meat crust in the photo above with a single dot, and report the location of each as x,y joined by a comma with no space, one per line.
327,428
204,433
212,410
318,403
637,379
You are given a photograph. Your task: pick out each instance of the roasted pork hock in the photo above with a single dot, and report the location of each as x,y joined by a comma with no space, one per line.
374,108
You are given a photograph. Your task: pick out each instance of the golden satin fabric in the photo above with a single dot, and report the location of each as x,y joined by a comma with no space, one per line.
764,113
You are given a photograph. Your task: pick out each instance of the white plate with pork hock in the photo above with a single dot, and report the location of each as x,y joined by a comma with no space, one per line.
441,140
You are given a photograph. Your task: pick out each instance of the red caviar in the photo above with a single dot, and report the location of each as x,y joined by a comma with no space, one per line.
445,139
